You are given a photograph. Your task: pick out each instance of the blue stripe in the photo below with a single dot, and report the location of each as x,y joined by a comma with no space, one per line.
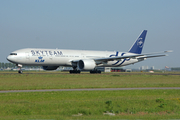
122,62
114,55
118,60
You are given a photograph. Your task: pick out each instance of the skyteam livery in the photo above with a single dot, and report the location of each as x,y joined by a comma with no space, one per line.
79,60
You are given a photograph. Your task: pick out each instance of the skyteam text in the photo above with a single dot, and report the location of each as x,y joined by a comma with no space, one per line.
45,53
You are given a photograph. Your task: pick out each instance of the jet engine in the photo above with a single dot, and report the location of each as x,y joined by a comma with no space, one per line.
50,67
86,64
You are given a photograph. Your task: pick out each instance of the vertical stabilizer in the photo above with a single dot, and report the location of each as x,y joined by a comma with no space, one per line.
138,45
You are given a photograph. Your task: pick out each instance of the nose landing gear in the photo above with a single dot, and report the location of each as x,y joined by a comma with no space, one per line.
20,66
20,71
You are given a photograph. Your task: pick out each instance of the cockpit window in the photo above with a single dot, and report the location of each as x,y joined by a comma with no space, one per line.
13,54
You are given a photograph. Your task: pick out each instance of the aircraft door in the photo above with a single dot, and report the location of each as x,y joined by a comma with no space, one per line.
27,56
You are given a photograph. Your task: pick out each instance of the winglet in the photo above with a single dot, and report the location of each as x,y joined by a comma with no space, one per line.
138,45
168,51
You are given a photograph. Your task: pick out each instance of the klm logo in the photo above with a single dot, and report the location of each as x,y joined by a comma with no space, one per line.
39,60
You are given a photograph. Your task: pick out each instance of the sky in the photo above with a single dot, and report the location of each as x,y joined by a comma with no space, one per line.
92,25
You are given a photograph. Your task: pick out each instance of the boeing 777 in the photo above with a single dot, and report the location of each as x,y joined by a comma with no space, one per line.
51,59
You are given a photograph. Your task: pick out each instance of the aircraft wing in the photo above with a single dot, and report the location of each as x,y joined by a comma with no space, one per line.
112,58
151,56
139,56
117,58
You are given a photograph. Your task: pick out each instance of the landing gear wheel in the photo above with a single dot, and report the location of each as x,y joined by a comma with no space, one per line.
95,71
20,71
75,71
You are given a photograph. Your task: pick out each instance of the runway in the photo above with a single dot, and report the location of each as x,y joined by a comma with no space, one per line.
92,89
83,73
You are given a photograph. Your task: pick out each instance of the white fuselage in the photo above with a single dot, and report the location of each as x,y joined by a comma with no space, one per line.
51,59
63,57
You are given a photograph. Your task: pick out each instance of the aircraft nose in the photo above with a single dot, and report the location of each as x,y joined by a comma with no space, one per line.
9,58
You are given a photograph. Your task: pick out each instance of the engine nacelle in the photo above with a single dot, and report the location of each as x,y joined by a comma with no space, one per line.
50,67
86,64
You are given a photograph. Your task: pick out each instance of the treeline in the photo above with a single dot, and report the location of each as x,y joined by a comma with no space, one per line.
11,65
176,69
7,65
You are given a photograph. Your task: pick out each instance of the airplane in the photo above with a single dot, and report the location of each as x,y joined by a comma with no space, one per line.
51,59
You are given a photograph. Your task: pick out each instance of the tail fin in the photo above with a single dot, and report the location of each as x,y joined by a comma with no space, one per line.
138,45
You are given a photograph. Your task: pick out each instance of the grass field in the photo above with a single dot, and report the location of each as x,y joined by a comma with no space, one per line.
69,81
133,104
130,104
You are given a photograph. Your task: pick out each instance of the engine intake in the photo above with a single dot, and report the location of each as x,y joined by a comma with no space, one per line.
86,64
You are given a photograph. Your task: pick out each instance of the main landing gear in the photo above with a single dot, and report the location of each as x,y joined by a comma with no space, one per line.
75,71
95,71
